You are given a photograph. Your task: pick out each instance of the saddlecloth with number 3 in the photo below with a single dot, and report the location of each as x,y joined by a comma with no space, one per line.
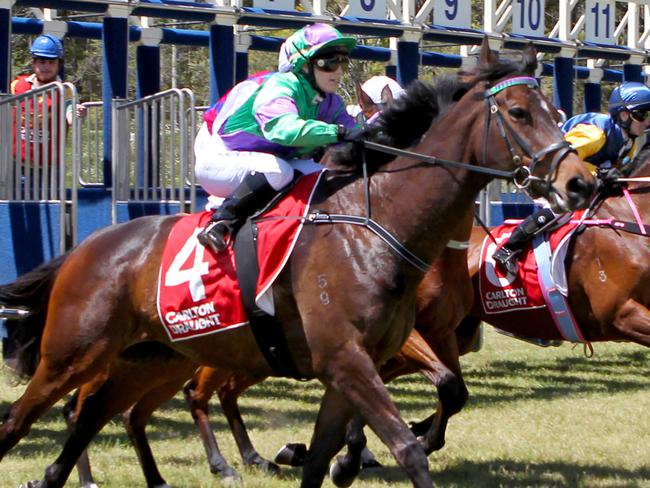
198,291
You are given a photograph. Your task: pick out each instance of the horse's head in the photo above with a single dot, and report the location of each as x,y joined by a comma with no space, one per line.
375,95
516,128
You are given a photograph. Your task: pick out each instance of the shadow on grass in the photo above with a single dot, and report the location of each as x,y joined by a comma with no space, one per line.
507,473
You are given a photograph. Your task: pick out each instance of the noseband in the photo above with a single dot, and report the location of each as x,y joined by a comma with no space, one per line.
523,175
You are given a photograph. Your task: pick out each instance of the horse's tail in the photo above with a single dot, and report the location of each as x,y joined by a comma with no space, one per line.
31,291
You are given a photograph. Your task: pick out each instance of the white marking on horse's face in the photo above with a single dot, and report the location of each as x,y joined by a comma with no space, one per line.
545,107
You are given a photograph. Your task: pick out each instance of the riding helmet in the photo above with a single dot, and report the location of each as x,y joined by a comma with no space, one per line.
630,95
306,43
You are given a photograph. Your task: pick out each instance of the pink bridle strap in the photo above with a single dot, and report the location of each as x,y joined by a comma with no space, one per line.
635,210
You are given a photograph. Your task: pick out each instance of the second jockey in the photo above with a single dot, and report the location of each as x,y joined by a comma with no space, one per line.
291,116
605,141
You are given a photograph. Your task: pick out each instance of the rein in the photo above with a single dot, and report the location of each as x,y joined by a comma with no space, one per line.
521,176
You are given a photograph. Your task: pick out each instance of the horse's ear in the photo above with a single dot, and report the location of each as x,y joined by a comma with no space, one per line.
530,59
386,96
487,55
365,102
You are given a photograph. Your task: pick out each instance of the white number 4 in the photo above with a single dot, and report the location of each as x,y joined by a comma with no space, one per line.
177,276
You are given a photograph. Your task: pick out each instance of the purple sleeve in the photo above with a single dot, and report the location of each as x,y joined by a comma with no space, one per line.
332,110
274,108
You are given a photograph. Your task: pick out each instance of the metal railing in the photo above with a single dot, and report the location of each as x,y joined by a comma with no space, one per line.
38,156
153,153
91,146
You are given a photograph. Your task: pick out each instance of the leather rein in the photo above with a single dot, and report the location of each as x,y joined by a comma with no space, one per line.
522,176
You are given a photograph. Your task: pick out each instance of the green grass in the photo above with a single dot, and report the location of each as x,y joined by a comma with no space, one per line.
536,417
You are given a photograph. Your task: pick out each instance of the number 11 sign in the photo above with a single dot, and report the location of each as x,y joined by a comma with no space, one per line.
599,21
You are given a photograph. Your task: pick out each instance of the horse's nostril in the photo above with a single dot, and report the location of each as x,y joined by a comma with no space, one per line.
579,186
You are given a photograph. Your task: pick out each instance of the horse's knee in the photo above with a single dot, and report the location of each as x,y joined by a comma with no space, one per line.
412,457
453,395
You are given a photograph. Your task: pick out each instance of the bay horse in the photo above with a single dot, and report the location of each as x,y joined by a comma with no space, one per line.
102,298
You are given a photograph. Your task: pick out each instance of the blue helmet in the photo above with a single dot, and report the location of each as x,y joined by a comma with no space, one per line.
47,46
630,95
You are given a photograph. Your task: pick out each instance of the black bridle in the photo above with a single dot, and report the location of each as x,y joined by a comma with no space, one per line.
521,180
522,176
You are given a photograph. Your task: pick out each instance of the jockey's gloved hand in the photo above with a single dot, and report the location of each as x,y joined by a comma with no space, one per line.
608,180
356,134
609,174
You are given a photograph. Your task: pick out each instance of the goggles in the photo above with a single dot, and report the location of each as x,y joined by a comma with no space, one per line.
640,115
331,64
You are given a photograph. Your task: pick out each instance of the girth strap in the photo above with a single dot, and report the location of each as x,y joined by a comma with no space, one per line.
387,237
266,328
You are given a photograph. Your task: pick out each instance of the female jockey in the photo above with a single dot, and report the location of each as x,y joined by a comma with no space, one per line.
606,142
288,118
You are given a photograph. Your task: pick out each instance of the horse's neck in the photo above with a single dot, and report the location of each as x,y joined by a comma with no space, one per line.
437,198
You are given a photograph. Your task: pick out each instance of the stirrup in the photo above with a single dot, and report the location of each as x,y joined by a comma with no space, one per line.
216,235
508,259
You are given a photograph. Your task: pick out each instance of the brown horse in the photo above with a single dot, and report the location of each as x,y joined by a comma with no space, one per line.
102,299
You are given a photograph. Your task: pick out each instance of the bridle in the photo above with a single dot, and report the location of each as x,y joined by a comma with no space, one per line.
522,175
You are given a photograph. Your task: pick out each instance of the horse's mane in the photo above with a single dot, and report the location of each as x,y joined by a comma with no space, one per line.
403,123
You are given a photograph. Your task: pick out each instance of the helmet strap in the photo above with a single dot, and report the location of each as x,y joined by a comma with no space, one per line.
311,78
625,124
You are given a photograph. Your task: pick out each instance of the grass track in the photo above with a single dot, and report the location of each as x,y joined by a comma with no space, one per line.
536,417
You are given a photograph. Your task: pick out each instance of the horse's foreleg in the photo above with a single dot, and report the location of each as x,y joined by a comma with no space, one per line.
197,394
443,370
346,468
136,419
334,413
355,375
229,391
633,320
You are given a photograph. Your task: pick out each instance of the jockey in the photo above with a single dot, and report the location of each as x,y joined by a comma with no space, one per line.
374,88
606,142
290,117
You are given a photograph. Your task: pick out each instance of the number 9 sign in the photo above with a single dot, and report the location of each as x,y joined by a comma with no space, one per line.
453,13
528,17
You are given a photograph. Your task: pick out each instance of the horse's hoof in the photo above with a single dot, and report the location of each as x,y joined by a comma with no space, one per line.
370,464
266,466
31,484
93,485
158,486
342,474
291,455
231,480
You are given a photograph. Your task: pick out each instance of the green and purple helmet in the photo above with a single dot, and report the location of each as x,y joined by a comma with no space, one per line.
306,43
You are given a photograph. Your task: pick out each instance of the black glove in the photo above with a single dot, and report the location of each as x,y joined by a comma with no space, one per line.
609,174
608,183
356,134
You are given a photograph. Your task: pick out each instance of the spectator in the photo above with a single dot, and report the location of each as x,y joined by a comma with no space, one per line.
47,59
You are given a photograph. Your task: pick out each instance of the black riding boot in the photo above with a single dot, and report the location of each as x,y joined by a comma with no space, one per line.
524,232
252,194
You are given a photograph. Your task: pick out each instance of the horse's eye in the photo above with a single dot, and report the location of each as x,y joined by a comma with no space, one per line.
518,113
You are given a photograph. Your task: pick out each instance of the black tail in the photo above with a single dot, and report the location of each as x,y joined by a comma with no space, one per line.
20,349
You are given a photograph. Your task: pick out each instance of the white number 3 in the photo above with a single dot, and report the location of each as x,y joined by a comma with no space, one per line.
177,276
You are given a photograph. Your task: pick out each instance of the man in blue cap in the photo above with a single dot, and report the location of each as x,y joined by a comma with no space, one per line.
607,142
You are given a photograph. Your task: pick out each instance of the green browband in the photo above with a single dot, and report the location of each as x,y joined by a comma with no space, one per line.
517,80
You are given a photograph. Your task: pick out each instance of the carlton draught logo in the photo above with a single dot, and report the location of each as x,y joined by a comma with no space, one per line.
500,291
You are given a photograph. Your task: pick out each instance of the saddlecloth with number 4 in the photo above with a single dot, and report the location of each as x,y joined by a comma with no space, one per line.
198,291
